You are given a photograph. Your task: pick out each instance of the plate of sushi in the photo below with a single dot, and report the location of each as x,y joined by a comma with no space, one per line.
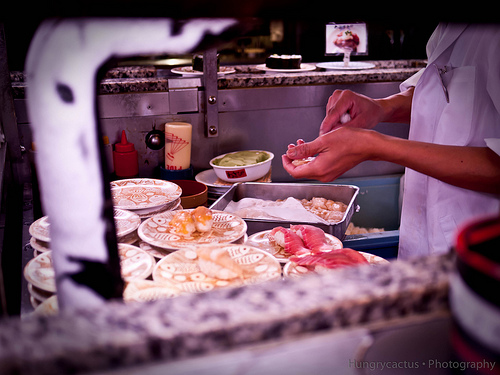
204,268
284,242
307,249
186,228
317,263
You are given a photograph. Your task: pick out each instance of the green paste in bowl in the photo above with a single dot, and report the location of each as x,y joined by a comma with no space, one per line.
241,158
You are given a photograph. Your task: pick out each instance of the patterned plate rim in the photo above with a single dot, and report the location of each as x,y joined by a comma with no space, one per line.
282,260
150,182
44,285
151,260
371,258
35,232
136,220
166,259
169,245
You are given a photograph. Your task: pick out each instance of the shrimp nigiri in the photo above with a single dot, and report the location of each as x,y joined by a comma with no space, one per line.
314,238
182,223
203,219
288,240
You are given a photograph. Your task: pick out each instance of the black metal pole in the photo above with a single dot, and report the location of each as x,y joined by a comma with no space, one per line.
12,188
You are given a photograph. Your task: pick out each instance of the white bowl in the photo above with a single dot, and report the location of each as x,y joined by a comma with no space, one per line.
242,173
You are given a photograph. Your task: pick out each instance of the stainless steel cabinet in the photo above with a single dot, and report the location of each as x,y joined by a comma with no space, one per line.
248,118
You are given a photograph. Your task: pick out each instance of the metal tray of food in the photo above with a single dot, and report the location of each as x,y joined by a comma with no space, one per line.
272,191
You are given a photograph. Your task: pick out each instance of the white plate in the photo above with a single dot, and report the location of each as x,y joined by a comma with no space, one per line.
35,303
39,294
40,229
39,246
292,269
175,205
149,290
339,65
188,71
303,68
182,269
40,273
155,251
209,178
226,228
48,307
143,194
261,241
125,221
135,263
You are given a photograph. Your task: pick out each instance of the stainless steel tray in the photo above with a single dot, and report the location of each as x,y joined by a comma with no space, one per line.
272,191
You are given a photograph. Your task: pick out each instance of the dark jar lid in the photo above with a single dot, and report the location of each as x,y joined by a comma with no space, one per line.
478,257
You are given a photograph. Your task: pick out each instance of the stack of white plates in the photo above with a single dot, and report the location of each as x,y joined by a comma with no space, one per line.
216,187
40,235
126,223
145,196
136,264
39,274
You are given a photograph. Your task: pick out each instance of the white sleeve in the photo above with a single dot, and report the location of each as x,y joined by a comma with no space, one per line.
412,81
494,144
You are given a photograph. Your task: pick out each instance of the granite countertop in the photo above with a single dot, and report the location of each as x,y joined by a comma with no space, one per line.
150,78
118,335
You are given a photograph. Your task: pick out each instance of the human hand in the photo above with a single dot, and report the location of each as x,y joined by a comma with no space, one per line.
337,151
364,112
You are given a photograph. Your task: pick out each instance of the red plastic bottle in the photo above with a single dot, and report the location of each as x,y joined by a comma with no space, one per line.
125,158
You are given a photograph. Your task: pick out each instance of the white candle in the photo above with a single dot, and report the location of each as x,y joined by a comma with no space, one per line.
177,145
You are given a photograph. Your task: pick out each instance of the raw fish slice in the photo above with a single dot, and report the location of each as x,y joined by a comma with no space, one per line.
334,259
314,238
354,255
288,240
203,219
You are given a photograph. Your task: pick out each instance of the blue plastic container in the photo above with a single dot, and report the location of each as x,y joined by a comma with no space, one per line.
379,207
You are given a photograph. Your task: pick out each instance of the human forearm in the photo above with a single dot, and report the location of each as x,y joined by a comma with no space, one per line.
474,168
365,112
397,108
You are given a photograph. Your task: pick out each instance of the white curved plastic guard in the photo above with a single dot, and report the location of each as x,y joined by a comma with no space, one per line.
62,65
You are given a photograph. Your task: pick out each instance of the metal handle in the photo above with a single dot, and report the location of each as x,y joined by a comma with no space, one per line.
210,83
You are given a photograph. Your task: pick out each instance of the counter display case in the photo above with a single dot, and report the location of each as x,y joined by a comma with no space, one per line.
255,110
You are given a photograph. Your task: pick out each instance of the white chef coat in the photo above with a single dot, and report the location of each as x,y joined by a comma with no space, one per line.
466,59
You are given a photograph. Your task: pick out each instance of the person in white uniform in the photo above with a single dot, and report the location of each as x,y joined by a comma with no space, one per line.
452,156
